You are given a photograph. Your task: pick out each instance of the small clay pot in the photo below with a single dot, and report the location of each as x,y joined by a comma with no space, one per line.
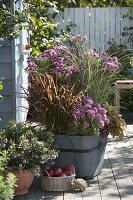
24,179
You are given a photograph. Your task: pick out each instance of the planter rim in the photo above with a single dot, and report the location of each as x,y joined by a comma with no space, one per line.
78,136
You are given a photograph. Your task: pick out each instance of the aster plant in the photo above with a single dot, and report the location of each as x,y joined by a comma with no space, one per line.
70,84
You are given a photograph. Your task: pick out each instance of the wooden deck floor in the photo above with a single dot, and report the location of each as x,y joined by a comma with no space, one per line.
114,183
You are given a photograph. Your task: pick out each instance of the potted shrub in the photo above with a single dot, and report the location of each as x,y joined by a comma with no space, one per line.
28,147
71,88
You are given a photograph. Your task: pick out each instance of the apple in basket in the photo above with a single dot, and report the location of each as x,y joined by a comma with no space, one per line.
49,171
69,170
58,172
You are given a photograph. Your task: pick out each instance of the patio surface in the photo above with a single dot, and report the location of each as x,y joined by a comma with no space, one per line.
114,183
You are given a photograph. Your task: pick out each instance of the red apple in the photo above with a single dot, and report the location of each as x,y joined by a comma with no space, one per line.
51,172
27,46
58,172
69,170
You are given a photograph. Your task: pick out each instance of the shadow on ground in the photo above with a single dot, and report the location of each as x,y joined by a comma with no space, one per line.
128,116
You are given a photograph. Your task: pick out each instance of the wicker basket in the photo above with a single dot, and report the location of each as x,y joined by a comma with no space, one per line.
56,183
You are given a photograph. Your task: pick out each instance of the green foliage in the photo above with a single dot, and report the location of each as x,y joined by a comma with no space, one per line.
27,145
127,100
128,30
70,3
125,57
31,15
96,3
107,3
131,61
123,54
117,124
6,184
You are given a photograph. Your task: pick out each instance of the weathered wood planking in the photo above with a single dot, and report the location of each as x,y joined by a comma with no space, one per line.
100,25
12,69
120,169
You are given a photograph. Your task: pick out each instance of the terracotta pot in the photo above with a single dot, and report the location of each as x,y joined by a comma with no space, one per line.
24,179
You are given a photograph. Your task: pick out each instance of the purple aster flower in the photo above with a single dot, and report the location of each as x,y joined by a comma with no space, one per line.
31,64
88,105
109,63
102,111
95,109
85,125
97,105
77,114
98,117
91,114
101,124
87,100
71,71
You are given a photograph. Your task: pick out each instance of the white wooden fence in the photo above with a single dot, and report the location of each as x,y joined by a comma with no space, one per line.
100,25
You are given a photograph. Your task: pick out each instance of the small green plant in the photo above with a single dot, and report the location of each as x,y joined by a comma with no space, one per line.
6,184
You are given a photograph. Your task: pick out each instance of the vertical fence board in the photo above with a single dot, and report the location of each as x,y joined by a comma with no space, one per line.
124,24
81,19
87,23
92,28
71,19
107,25
77,20
65,20
60,21
97,27
113,23
117,24
102,30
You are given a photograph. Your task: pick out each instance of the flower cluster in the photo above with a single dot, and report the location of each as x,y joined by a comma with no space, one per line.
31,64
110,63
87,112
27,145
78,38
60,60
67,60
93,53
